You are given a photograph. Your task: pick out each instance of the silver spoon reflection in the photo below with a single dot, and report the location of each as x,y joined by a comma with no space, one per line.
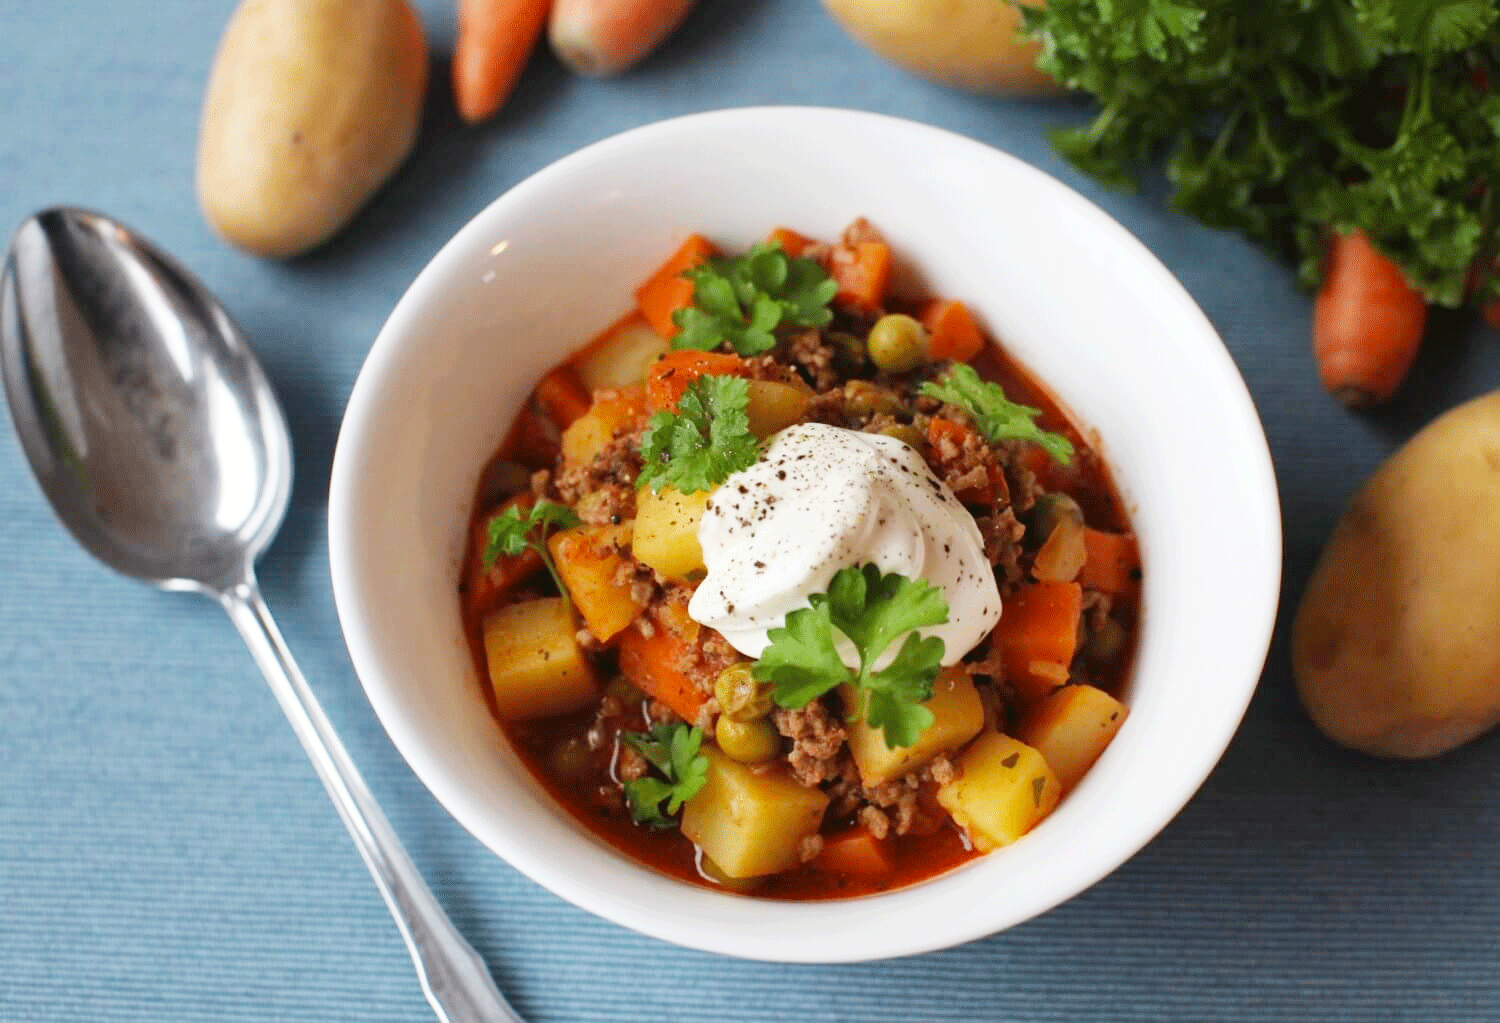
156,436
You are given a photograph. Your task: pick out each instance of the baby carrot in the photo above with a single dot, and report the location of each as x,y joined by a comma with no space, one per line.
495,37
604,37
1367,323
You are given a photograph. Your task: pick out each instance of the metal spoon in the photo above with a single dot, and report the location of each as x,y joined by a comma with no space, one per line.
156,436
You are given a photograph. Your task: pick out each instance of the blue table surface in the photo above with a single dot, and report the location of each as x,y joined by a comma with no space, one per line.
166,852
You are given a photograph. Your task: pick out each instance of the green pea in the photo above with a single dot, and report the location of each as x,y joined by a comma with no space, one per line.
749,742
849,353
740,696
1105,645
1049,510
897,343
863,399
903,432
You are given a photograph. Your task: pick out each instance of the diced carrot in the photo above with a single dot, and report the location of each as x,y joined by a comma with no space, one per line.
951,331
562,396
670,375
792,243
1038,634
667,291
488,587
1112,562
651,664
863,271
856,852
995,489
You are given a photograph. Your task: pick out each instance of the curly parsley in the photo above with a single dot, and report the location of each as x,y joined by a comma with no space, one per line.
672,748
1287,119
517,528
742,300
870,610
997,417
703,441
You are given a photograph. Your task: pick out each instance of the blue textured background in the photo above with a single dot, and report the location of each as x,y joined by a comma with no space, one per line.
166,852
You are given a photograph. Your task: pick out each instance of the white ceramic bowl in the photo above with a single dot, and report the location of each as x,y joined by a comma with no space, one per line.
1066,289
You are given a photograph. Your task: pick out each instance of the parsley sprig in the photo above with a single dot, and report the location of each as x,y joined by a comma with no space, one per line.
743,299
871,610
1287,119
672,748
997,417
516,529
708,437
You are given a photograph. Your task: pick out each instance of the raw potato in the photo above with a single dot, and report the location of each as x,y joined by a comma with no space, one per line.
311,105
1396,646
971,44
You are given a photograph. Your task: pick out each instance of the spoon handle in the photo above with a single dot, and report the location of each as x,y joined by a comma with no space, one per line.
454,978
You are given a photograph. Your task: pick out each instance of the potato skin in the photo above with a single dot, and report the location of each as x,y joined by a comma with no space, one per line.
311,105
1396,645
969,44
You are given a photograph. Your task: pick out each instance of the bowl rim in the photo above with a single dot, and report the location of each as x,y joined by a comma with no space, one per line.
363,404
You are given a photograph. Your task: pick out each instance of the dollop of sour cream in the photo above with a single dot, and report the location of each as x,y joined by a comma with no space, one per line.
822,499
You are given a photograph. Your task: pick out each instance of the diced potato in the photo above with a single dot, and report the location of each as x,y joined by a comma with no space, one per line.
611,412
621,360
589,560
666,531
751,823
1070,729
1002,790
536,668
958,716
775,406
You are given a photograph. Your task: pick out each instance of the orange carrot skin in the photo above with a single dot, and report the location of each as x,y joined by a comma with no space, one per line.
604,37
863,272
856,852
670,375
562,396
495,38
951,331
1367,323
650,663
1112,562
792,243
667,291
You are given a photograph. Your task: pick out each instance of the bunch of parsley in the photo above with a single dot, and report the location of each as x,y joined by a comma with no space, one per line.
1287,119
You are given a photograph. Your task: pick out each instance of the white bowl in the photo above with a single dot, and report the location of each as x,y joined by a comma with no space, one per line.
1067,291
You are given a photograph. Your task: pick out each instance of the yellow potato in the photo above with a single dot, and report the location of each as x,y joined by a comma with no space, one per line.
971,44
310,106
1396,646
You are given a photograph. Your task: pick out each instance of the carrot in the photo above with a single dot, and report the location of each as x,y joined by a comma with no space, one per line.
604,37
1112,562
1492,314
856,852
792,243
562,396
1038,635
862,270
670,375
1367,323
650,663
667,291
488,587
951,331
495,38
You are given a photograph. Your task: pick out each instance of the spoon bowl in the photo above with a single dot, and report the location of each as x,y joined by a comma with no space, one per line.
148,422
153,431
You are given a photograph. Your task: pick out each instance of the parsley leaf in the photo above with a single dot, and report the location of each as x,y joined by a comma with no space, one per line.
997,417
672,748
871,611
516,529
703,441
742,300
1286,120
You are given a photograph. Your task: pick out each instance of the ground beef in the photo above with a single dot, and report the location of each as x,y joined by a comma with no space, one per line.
941,770
809,847
808,350
817,741
609,505
875,821
631,766
828,407
1024,488
640,579
616,467
966,466
1002,533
